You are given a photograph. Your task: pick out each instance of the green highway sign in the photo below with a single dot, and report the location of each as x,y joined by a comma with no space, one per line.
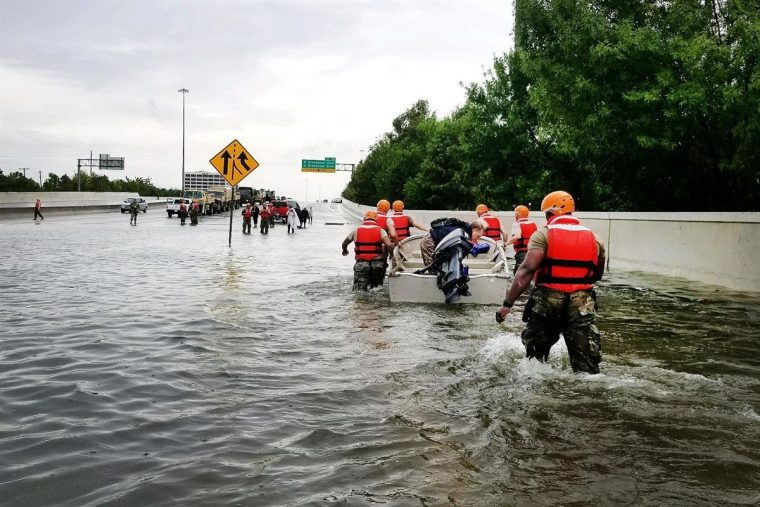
318,166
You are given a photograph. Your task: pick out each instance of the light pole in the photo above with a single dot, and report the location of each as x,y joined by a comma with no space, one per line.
183,91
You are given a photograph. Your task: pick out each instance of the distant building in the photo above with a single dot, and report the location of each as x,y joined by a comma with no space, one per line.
201,180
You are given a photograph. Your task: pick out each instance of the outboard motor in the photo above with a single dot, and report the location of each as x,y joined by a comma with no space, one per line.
447,259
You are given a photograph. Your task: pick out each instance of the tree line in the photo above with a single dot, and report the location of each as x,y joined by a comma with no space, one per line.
17,182
630,105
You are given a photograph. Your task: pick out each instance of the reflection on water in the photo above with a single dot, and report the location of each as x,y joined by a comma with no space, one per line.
153,365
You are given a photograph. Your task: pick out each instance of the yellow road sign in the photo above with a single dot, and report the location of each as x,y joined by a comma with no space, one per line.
234,162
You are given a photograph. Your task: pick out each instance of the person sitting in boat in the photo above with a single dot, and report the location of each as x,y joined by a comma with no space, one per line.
478,246
370,244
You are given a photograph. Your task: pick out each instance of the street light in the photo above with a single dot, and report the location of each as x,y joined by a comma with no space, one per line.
183,91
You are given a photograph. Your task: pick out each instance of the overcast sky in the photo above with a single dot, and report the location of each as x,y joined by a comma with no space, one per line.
290,79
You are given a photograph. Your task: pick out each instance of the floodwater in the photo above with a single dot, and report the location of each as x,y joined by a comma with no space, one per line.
153,365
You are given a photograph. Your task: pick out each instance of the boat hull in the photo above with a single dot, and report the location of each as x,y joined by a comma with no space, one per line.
486,289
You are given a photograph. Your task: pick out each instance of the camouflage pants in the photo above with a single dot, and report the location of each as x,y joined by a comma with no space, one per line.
368,274
552,313
519,258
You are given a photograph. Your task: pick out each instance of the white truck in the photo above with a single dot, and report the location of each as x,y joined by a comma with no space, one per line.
172,206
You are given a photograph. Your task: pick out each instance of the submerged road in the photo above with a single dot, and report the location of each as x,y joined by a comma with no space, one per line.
153,365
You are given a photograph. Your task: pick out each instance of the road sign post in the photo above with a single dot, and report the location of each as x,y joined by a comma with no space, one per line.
234,163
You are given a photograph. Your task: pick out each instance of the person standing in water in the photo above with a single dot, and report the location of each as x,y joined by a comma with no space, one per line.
566,259
37,212
134,209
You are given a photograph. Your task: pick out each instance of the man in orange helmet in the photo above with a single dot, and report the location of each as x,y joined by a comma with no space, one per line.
566,259
491,224
522,230
384,220
402,223
371,243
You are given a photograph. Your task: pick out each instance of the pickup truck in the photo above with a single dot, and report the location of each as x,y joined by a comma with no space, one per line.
128,202
280,210
172,206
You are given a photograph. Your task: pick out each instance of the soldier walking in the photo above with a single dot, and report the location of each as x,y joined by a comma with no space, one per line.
566,259
134,208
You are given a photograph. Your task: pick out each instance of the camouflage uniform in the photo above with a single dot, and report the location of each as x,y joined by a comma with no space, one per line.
519,258
549,313
369,274
134,208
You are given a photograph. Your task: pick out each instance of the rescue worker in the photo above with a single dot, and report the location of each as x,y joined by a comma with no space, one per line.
384,220
37,212
265,216
491,224
522,230
247,216
134,208
402,223
369,239
194,210
182,212
566,259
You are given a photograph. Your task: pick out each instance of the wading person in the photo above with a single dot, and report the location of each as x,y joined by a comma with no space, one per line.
255,214
522,230
37,210
292,219
247,217
491,224
264,215
403,223
134,208
182,213
566,259
194,211
385,221
369,241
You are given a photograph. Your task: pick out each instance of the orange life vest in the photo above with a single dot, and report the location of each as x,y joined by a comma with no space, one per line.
401,223
368,241
382,220
571,256
493,230
527,228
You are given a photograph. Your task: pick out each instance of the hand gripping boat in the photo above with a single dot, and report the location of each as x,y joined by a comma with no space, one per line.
488,275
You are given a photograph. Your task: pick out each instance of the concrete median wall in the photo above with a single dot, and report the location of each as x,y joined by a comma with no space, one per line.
18,203
714,248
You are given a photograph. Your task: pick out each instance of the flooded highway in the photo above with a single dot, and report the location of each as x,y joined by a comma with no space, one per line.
153,365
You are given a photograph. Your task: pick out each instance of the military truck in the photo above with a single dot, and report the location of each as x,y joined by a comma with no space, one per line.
220,199
202,198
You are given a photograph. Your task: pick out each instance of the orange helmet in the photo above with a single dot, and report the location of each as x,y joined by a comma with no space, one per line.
398,206
558,203
383,206
482,208
522,211
370,215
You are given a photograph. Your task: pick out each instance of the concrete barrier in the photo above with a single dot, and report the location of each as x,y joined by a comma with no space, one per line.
13,204
713,248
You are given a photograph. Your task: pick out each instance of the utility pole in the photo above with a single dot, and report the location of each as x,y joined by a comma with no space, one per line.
183,91
40,171
23,169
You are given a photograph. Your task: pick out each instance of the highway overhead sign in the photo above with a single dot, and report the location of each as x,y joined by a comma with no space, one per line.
234,162
318,166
